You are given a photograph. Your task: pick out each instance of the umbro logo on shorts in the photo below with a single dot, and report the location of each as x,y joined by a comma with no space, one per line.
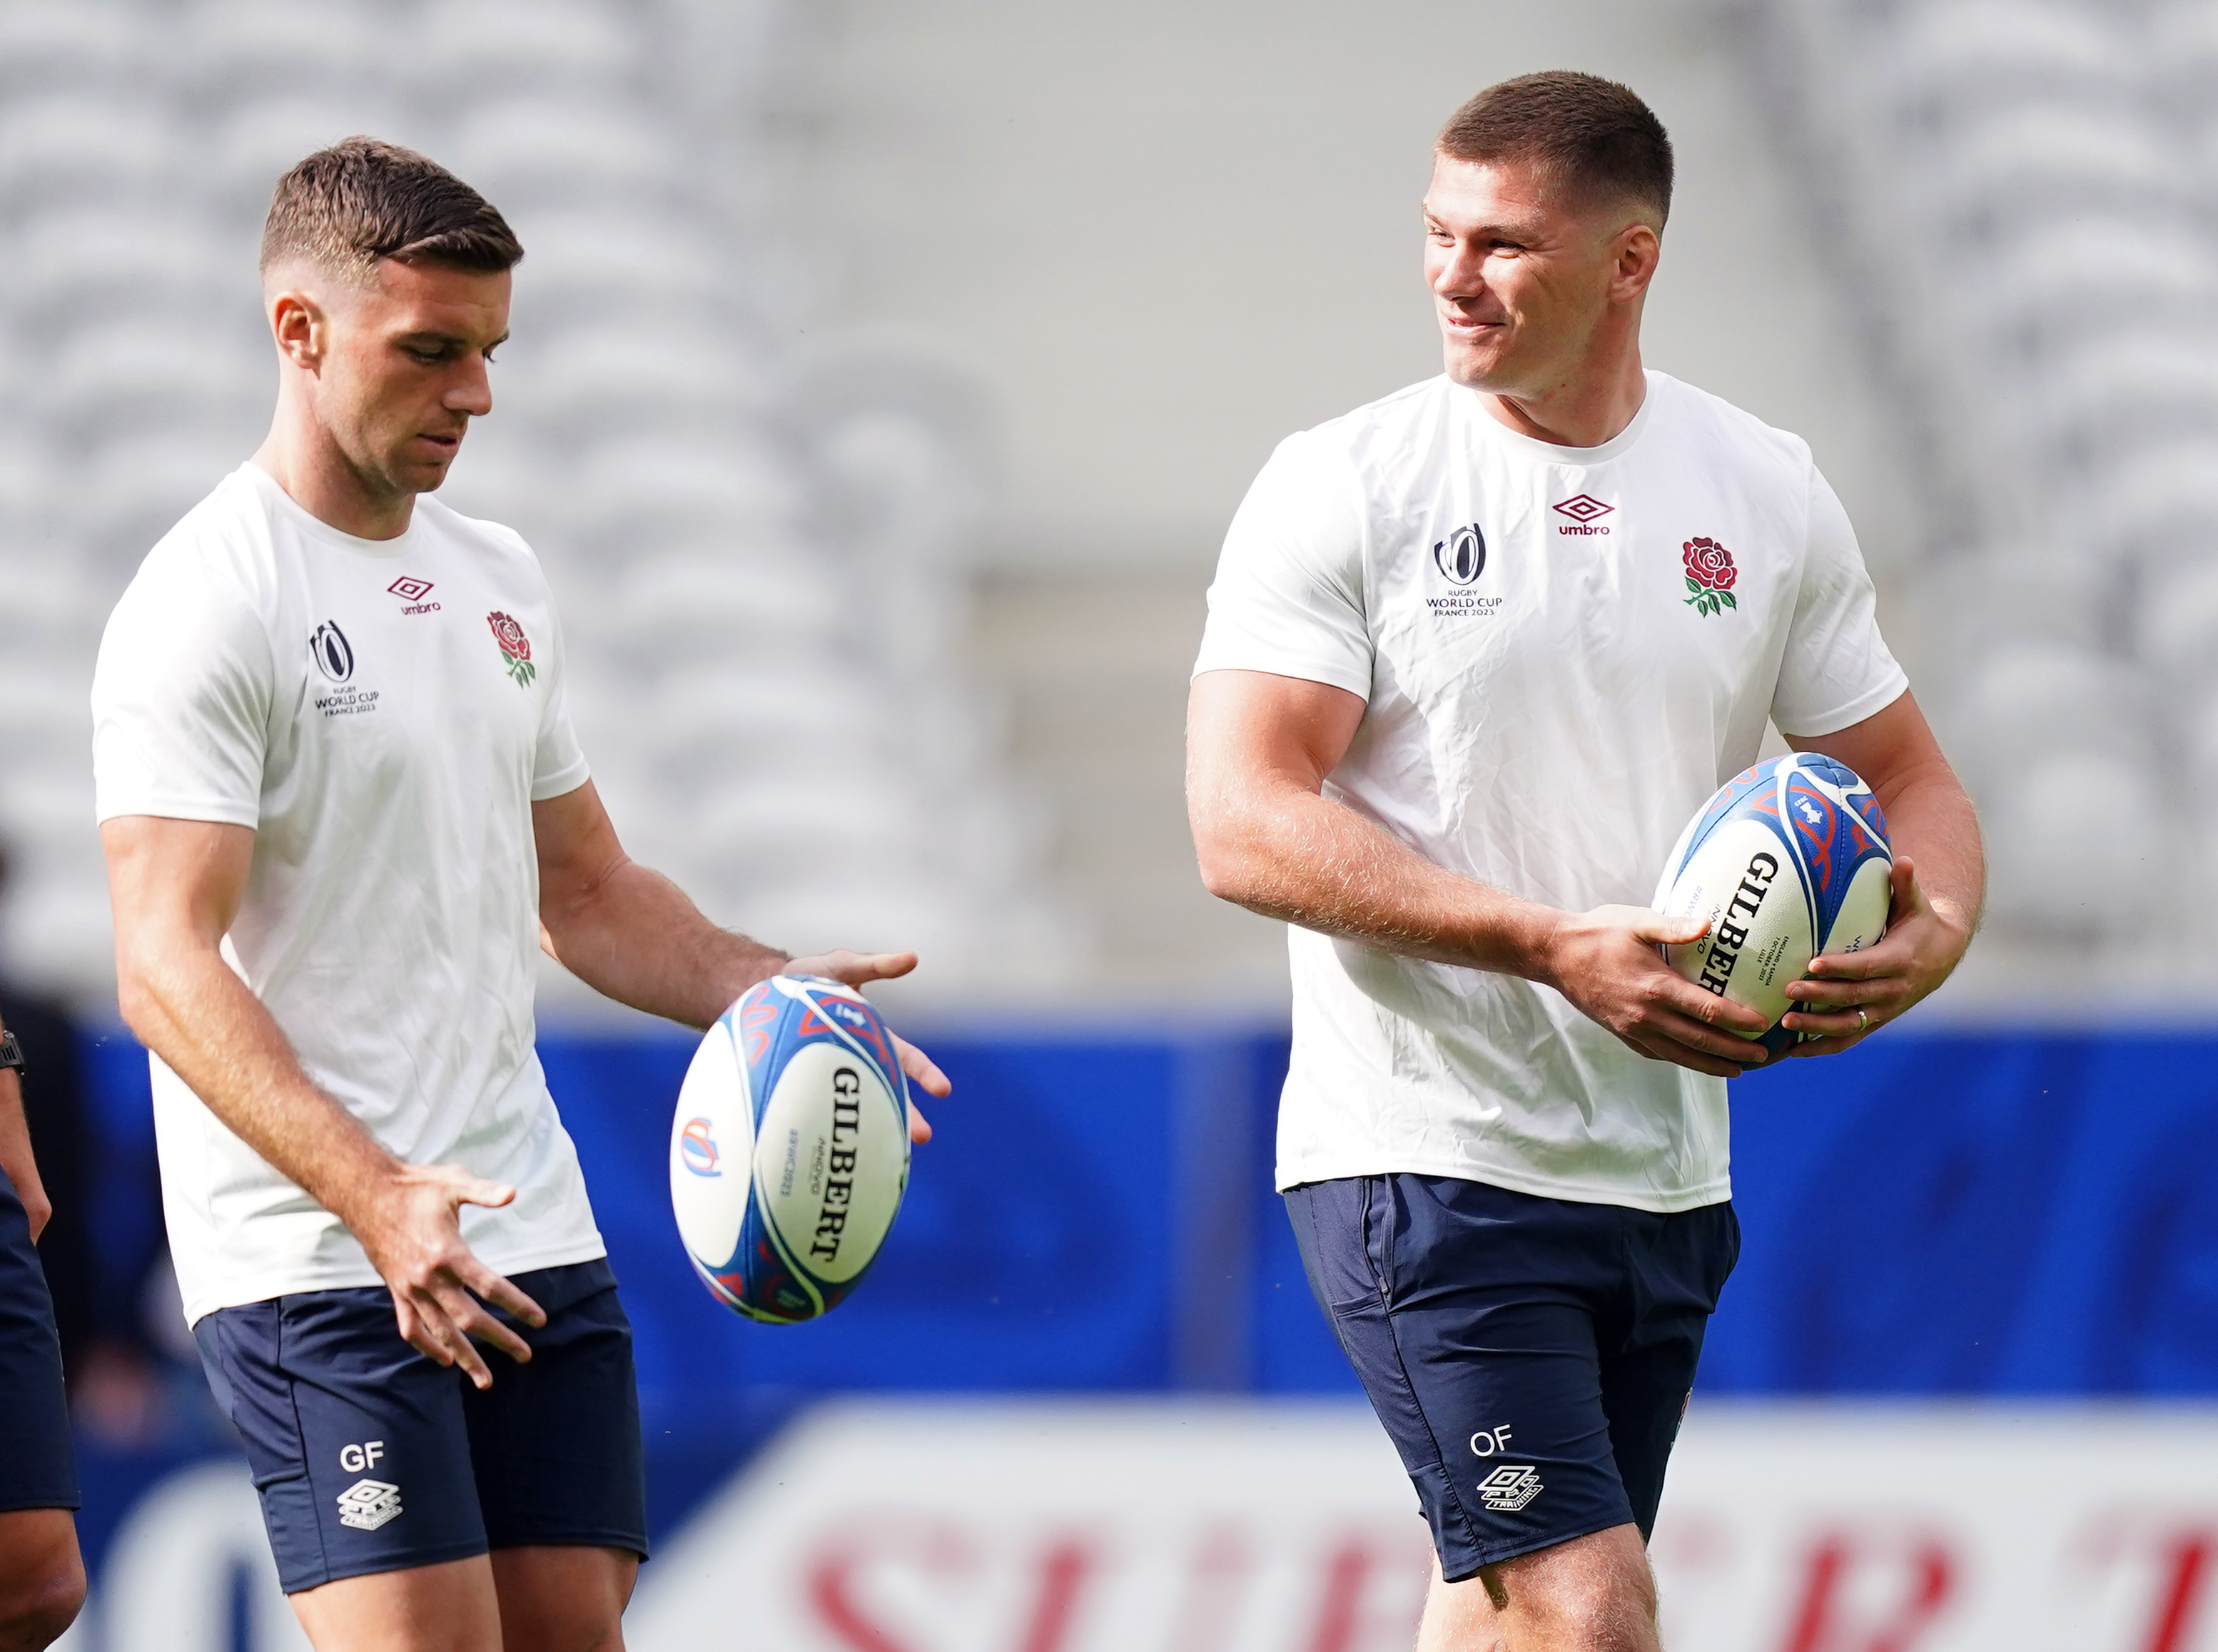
1509,1487
369,1504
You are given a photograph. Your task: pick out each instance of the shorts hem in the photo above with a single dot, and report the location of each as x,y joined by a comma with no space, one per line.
631,1543
299,1583
26,1503
1494,1554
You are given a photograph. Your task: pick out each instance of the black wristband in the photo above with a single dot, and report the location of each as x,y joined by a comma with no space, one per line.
11,1053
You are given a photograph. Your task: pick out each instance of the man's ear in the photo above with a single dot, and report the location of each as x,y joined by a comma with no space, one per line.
301,329
1639,251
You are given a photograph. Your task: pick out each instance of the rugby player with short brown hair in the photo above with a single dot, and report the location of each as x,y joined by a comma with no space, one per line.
1476,653
339,818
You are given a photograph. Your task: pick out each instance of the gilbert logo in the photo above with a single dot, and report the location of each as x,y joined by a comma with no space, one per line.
836,1188
412,591
1585,510
1730,936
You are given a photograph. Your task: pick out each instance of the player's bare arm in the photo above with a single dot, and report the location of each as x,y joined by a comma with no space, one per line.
1939,882
16,1163
1258,750
632,934
176,886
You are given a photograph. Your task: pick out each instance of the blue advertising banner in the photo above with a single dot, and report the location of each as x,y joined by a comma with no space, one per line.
1946,1214
1950,1213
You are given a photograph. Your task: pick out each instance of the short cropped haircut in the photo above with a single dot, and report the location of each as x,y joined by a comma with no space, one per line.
1591,138
346,207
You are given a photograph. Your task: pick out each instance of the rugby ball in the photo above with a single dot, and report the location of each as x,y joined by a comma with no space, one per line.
1787,861
789,1154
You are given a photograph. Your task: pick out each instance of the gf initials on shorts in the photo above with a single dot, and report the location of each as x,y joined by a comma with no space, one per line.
367,1504
354,1458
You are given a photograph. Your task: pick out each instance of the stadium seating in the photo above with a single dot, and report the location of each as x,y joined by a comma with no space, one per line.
765,659
2028,216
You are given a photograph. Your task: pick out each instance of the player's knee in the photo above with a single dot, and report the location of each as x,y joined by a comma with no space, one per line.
1585,1597
39,1606
1594,1619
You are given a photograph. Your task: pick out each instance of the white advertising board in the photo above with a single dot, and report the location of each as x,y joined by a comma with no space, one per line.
1258,1527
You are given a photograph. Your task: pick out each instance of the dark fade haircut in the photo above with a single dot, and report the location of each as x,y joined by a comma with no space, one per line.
1591,138
347,208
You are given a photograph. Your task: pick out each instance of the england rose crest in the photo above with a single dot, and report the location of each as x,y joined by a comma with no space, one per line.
1710,576
515,647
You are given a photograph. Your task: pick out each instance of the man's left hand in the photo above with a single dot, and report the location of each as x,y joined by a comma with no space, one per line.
859,969
1922,945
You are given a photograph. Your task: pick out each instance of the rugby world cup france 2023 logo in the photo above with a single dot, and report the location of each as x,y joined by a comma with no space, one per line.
1461,557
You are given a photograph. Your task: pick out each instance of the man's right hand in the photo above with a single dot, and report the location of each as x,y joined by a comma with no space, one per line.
1605,962
411,1228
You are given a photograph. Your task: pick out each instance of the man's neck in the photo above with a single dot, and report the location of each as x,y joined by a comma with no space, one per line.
1583,412
317,476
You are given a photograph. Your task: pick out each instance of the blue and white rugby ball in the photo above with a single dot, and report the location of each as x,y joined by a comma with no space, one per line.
1787,861
789,1155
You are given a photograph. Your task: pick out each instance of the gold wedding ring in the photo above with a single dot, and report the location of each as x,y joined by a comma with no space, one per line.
1863,1021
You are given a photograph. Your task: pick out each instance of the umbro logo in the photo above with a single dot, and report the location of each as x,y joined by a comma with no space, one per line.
369,1504
1583,509
412,591
1509,1487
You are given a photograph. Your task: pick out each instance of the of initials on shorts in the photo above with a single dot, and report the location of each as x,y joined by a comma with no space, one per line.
369,1504
1505,1491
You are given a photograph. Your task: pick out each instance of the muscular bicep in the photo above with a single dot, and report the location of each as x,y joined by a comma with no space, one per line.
1253,726
1250,737
173,882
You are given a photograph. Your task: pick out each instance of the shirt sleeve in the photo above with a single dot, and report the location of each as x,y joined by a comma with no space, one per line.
1837,669
1288,597
180,699
558,766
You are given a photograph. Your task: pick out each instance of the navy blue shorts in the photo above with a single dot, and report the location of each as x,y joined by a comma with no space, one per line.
369,1458
1531,1357
38,1469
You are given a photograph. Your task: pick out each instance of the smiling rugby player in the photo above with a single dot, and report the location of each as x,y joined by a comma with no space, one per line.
1475,654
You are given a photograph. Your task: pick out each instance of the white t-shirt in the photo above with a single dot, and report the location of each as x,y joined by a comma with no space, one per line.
1549,695
383,713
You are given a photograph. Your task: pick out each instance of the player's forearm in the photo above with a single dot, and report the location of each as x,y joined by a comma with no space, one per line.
1930,819
16,1163
187,1006
1303,858
636,937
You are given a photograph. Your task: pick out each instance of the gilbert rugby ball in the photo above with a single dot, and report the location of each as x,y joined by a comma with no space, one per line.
1788,861
789,1154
